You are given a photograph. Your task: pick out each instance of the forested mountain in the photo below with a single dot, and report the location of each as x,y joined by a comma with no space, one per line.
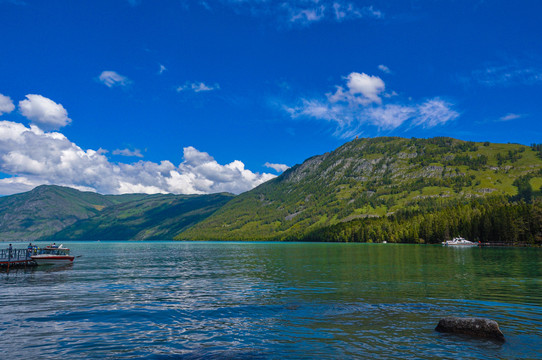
155,217
47,210
409,190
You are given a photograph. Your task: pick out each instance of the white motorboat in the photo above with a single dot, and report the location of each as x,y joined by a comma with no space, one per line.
458,241
52,255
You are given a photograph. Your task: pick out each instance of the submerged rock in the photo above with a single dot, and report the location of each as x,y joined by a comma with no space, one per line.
479,327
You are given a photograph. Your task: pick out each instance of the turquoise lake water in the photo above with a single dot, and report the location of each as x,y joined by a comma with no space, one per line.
215,300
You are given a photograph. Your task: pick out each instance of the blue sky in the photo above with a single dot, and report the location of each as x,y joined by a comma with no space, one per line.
121,96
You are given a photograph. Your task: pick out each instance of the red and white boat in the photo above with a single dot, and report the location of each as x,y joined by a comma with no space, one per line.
52,254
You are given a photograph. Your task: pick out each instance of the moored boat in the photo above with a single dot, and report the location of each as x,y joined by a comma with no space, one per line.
458,241
52,254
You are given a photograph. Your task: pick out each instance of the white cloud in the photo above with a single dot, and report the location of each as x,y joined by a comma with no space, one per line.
362,89
384,69
44,112
307,15
197,87
162,69
344,116
309,11
6,105
33,157
14,185
391,116
511,116
298,12
370,11
506,75
204,174
361,105
127,152
112,78
277,167
368,86
344,11
435,112
321,110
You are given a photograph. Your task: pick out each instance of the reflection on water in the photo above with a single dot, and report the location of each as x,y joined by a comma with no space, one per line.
171,300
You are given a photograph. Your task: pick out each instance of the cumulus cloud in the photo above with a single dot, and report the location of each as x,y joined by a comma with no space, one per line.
44,112
127,152
277,167
368,86
361,103
15,185
362,89
197,87
33,157
6,105
208,176
112,78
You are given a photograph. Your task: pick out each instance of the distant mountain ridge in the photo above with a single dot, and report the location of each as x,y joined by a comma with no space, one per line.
54,212
155,217
46,210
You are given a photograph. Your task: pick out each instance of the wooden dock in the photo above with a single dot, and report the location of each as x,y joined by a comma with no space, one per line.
16,258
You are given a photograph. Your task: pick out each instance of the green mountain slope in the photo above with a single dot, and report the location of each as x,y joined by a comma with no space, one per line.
373,179
46,210
56,212
154,217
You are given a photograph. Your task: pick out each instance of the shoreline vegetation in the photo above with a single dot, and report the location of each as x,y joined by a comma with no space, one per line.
492,220
398,190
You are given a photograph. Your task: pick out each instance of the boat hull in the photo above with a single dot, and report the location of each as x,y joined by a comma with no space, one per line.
460,245
52,259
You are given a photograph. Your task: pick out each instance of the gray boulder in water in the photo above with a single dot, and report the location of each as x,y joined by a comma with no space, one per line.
479,327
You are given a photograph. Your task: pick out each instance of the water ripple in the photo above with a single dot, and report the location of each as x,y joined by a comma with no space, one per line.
174,300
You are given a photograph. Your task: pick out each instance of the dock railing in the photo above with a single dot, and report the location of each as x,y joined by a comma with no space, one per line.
15,254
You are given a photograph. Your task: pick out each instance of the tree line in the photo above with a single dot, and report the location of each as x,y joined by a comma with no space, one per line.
488,220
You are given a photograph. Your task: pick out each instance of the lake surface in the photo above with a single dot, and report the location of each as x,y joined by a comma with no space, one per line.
214,300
